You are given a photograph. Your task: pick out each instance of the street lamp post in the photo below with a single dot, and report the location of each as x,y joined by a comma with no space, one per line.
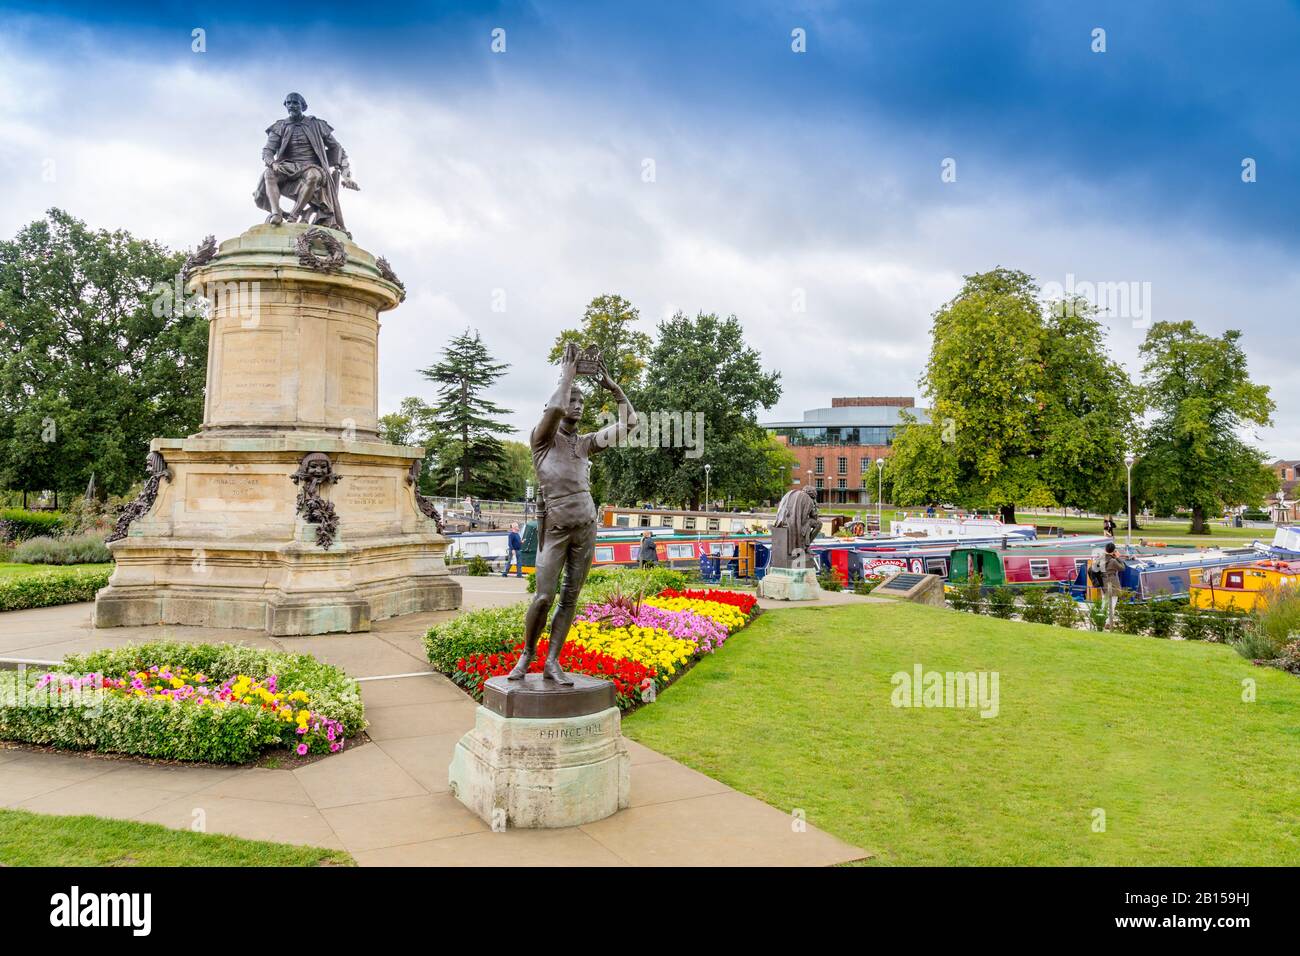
880,494
809,487
1128,514
707,503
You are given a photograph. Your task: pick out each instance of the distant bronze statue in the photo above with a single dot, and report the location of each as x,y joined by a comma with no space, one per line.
566,517
796,526
305,163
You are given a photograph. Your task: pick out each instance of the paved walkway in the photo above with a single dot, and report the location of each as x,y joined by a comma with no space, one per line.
387,802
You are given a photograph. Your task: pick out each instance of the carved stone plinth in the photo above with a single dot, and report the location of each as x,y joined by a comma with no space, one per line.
561,770
790,584
285,513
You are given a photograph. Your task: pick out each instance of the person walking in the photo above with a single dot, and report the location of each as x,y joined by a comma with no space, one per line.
1108,526
1111,566
514,552
646,555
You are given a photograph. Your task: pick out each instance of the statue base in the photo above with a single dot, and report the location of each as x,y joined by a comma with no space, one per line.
790,584
543,756
222,545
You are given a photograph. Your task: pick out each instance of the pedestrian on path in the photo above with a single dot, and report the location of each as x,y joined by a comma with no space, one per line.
514,554
1111,566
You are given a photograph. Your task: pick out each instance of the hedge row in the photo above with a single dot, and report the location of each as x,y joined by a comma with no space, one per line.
18,524
55,586
113,723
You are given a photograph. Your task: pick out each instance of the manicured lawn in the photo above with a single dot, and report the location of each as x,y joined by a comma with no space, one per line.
797,712
10,570
1171,532
31,839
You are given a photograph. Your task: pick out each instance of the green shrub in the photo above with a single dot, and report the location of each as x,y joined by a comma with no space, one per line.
55,586
1037,607
1225,627
1255,645
478,567
1131,617
17,524
603,583
1279,620
485,631
1161,620
77,549
1195,624
178,731
865,585
968,596
1097,614
1064,609
1002,602
830,581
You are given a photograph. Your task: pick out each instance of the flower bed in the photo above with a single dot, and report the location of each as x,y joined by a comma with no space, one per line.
641,646
217,703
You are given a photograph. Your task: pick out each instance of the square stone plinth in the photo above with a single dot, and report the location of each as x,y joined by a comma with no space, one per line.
542,772
790,584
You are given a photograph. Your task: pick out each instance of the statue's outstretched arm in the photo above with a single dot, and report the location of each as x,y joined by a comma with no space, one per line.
553,414
614,432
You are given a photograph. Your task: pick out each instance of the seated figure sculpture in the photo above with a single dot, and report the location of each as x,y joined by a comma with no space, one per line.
305,163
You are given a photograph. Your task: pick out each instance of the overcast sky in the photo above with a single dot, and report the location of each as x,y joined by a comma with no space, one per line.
778,177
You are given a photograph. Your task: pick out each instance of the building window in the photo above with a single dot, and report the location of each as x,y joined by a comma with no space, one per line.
843,484
864,464
820,467
842,466
821,483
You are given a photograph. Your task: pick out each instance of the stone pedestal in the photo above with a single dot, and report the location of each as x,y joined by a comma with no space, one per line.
292,370
790,584
541,755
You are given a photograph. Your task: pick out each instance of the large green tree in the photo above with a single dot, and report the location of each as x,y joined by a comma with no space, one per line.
701,370
465,424
1200,395
1026,407
95,358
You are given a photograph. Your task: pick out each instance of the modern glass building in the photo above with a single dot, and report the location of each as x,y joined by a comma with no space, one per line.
837,447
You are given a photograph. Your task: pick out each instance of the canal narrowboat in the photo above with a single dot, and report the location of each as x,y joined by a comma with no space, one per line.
1244,587
1153,577
1051,564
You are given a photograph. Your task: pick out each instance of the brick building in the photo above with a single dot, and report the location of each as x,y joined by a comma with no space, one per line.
837,447
1288,476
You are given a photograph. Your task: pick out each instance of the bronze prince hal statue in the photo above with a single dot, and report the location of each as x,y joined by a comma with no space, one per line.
305,163
566,522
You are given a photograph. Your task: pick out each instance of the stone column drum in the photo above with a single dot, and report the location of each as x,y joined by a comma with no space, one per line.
541,755
292,370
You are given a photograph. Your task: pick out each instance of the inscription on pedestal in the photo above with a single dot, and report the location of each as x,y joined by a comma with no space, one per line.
213,492
357,374
369,493
252,366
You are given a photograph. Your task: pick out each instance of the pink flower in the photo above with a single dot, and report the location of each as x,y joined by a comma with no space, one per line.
302,750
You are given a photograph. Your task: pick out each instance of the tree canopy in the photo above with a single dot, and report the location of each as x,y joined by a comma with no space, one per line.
1199,391
90,369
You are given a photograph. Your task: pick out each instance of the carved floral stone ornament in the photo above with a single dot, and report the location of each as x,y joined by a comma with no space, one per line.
316,470
335,255
387,272
426,505
155,471
201,257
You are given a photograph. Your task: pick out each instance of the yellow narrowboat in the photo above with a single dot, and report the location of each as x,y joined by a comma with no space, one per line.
1243,587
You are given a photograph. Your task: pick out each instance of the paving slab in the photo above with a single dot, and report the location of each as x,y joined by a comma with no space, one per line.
432,689
388,823
722,829
361,655
174,777
425,758
19,785
249,819
70,766
260,783
420,720
361,775
661,781
94,798
569,847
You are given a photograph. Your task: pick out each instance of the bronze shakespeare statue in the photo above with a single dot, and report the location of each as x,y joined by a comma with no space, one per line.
566,517
305,163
